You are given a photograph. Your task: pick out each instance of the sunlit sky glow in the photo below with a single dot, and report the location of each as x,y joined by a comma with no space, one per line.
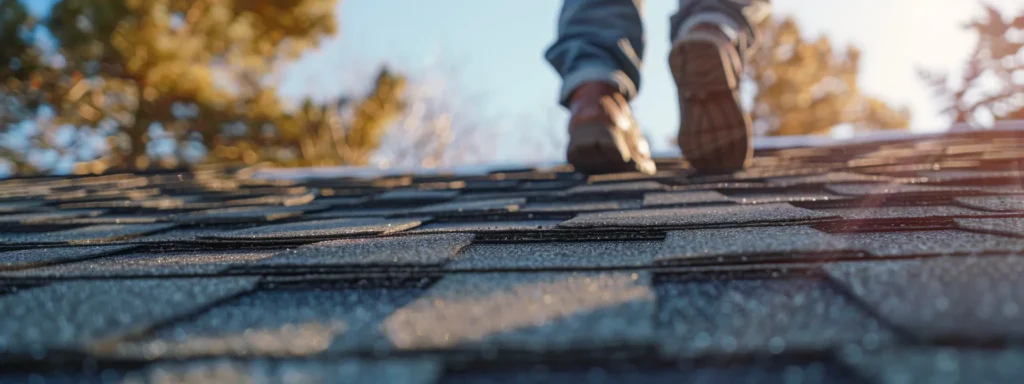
494,49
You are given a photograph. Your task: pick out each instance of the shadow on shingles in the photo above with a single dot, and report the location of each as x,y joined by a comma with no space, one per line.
646,369
11,287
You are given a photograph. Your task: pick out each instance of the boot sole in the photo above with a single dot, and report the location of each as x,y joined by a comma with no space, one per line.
596,149
715,132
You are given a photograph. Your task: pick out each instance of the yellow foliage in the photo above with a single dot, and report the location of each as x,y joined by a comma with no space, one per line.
805,88
324,137
198,70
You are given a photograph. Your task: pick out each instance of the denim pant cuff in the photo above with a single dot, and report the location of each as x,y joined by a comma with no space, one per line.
589,72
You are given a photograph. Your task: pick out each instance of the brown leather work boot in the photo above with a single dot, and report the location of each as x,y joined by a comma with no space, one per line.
715,132
603,136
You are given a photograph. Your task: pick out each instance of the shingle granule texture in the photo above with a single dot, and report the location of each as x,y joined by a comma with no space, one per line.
43,256
950,298
76,315
411,250
321,229
557,255
534,311
885,258
697,216
761,317
736,243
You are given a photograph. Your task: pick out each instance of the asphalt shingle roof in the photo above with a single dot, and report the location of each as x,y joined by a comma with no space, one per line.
866,262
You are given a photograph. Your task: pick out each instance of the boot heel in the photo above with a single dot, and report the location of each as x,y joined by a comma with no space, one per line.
714,132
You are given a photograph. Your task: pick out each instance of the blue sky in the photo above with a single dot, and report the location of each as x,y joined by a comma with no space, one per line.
492,51
496,48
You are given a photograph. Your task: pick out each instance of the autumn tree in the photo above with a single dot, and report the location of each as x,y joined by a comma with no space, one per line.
326,137
806,87
167,82
992,82
20,64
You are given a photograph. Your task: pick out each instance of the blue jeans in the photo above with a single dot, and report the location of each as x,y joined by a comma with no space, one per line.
603,40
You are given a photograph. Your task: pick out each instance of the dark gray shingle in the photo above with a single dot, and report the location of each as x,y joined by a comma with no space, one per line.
1007,226
728,245
617,188
410,250
763,317
785,197
486,226
27,258
150,264
321,229
903,212
748,371
765,214
928,243
243,215
528,311
290,322
92,234
937,365
35,217
414,195
471,207
827,178
557,255
656,199
898,189
349,371
572,207
1007,203
949,298
73,315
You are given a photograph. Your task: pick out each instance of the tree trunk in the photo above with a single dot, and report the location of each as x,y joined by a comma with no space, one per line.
136,159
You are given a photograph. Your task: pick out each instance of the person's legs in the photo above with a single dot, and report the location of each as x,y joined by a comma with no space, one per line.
598,54
736,16
599,40
711,41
